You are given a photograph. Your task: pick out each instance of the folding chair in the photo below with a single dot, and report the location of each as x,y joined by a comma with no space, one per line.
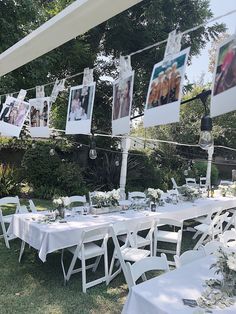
8,218
228,238
87,249
75,199
188,257
211,230
226,182
202,182
137,198
191,182
126,252
32,206
139,268
166,236
175,186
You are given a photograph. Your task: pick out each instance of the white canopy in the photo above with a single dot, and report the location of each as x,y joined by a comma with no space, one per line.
76,19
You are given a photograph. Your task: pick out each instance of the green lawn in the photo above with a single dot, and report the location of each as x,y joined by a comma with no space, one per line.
36,287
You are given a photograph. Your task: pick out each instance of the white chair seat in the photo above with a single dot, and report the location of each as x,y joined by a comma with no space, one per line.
134,254
167,236
202,227
90,250
7,219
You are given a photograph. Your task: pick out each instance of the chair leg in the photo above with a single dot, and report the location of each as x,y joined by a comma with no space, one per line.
21,250
96,263
5,234
111,269
83,275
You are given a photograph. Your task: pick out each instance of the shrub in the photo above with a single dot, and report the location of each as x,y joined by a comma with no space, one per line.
9,180
199,170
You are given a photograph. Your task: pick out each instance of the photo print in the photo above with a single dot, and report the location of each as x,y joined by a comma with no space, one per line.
39,117
12,116
224,82
165,90
80,109
122,101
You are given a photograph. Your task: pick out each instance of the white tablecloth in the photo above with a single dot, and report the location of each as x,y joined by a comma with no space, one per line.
164,294
47,238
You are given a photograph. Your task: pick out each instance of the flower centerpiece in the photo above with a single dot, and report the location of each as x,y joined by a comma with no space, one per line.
154,195
224,189
189,193
220,292
106,199
59,205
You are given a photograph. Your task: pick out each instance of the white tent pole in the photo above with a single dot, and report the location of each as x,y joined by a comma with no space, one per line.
210,152
125,143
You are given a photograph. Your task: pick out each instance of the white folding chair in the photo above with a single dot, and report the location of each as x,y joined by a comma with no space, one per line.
8,218
211,247
87,249
228,238
172,236
69,200
32,206
137,198
211,230
226,182
175,186
188,257
191,182
202,182
126,252
139,240
139,268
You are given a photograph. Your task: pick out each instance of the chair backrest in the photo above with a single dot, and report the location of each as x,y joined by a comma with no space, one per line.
137,269
147,224
77,198
226,182
11,200
191,181
188,257
211,247
141,196
217,222
202,182
32,206
227,237
171,222
95,234
175,186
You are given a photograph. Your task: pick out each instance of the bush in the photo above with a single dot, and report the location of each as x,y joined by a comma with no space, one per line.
199,170
9,180
49,176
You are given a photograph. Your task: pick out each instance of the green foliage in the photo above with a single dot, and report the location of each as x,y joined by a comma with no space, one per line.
48,175
199,170
9,180
143,172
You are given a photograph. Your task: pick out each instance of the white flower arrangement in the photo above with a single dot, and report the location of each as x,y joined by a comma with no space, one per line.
154,194
189,192
221,292
224,189
104,199
232,189
58,202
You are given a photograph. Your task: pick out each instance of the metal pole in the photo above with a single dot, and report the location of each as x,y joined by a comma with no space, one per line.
125,143
210,152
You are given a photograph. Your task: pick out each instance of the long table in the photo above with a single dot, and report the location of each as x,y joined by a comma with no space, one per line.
164,294
49,237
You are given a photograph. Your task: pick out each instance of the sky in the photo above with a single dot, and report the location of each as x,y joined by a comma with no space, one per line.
200,64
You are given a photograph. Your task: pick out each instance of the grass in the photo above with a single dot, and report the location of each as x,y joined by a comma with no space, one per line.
37,288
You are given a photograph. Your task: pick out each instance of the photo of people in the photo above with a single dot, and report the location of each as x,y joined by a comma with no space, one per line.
122,97
12,116
80,103
165,84
225,77
80,109
14,111
39,111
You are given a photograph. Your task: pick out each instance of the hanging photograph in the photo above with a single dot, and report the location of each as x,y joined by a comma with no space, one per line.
39,117
80,109
224,82
165,91
12,116
122,101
